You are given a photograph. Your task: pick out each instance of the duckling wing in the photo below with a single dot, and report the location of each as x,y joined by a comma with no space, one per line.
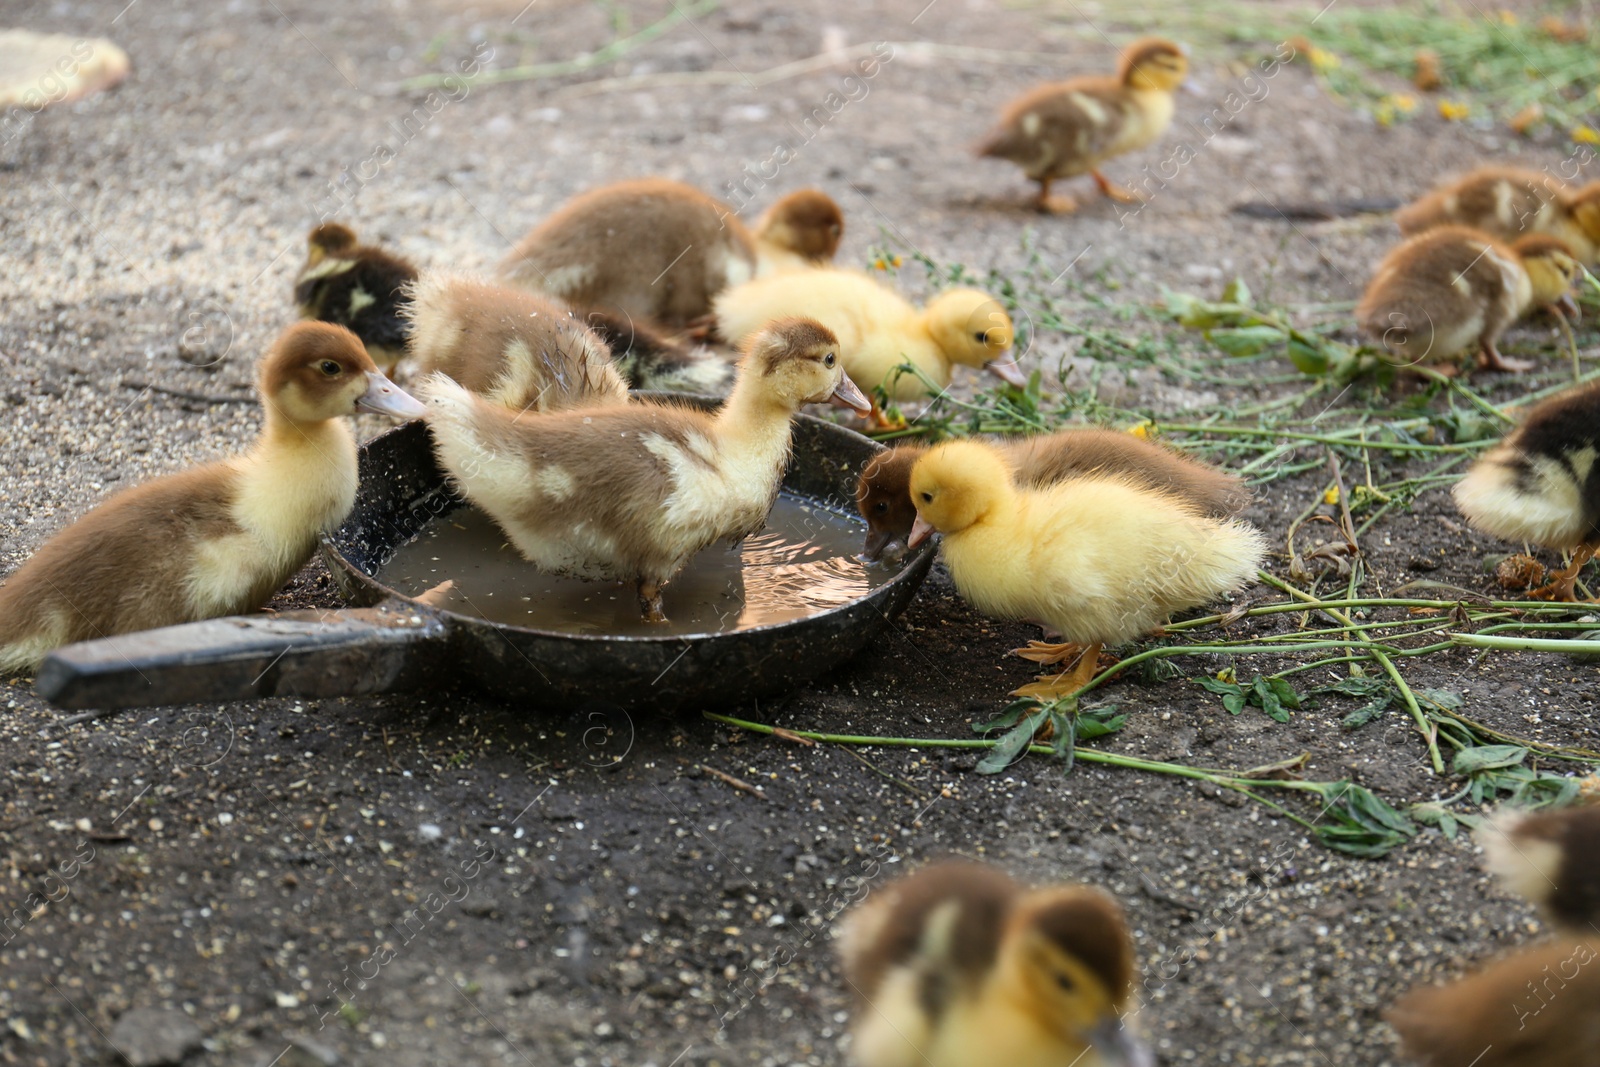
1062,129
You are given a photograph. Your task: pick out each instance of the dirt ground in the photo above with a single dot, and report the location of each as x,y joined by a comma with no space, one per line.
441,878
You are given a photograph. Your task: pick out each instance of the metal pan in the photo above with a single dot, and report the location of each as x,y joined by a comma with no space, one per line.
387,642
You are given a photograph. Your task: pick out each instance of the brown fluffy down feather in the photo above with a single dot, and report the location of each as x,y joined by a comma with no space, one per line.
1504,202
1541,1006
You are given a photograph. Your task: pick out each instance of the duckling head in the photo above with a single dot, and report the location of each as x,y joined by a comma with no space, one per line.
795,361
1068,961
1154,63
807,222
883,496
973,328
317,371
1551,267
956,486
329,239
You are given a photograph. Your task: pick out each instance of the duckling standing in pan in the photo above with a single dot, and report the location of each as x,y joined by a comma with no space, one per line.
957,965
218,539
883,494
1098,559
631,491
1511,202
1454,290
659,251
1542,484
1064,129
356,286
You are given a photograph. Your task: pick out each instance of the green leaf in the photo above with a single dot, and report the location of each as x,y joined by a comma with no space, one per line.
1218,686
1366,713
1440,698
1234,703
1012,745
1308,359
1007,718
1473,761
1284,692
1099,721
1237,292
1246,340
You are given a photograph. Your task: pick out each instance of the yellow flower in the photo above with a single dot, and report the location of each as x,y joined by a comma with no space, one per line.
1226,675
895,261
1404,102
1585,135
1331,495
1453,111
1323,59
1141,430
1507,18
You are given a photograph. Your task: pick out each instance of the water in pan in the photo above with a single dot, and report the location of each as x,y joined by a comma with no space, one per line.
802,563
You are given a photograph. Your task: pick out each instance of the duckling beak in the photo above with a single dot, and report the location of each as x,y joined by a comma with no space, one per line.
921,530
1008,370
1570,306
383,397
1118,1047
881,543
847,395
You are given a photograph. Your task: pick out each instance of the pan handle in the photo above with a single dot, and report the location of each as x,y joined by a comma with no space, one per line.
349,652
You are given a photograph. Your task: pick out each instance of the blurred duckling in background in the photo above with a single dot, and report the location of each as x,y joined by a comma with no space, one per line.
1098,559
883,493
878,329
520,350
1550,857
218,539
630,491
356,286
649,359
1541,484
658,251
1536,1007
957,965
1064,129
1453,290
1510,202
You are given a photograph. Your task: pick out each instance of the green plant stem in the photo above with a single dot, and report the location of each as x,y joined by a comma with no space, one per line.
1526,644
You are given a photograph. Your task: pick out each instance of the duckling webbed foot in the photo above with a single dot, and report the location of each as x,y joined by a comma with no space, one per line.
1085,661
437,596
1120,194
1563,583
650,602
1489,358
1046,204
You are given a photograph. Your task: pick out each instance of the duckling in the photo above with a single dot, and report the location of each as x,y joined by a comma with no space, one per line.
957,965
657,250
649,359
799,232
218,539
1064,129
1509,202
630,492
1450,290
510,346
1540,1006
356,286
883,494
1099,559
1550,857
878,329
1542,484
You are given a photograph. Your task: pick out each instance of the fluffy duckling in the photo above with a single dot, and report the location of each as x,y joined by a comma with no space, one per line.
957,965
218,539
1452,290
356,286
1064,129
800,231
1509,202
658,250
631,491
1099,559
883,494
648,359
878,329
1542,484
510,346
1550,857
1541,1006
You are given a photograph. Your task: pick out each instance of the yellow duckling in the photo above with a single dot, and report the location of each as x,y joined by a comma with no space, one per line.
1542,484
1453,290
356,286
1510,202
1550,857
658,251
957,965
1064,129
878,329
883,493
218,539
631,491
1099,559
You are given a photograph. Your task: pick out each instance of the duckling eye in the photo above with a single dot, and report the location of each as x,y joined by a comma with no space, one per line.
982,337
1064,982
927,498
829,360
330,368
881,506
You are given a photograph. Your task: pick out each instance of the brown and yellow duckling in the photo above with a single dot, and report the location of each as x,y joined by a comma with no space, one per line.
800,231
1064,129
1455,290
1552,858
1541,484
1511,202
628,492
1098,559
883,493
659,251
958,965
356,286
218,539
